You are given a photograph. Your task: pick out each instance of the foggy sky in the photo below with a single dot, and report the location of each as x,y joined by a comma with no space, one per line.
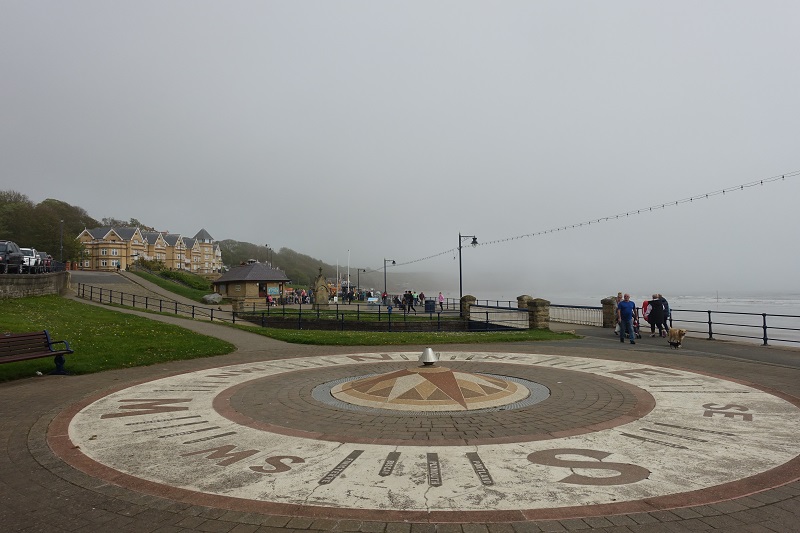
355,131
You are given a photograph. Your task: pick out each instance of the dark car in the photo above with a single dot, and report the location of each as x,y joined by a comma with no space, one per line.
10,258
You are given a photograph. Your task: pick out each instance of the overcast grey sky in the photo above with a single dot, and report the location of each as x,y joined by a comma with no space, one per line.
386,128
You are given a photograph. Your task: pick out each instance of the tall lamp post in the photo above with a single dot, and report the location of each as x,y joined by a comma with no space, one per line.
460,279
61,257
358,278
384,273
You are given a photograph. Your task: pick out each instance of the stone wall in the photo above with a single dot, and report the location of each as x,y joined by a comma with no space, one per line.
24,285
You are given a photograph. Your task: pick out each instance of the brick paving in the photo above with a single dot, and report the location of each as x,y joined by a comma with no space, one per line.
40,493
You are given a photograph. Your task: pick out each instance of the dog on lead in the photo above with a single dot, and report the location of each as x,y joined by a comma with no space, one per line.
675,337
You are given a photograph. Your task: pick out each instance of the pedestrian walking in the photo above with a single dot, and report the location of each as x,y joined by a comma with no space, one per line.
626,312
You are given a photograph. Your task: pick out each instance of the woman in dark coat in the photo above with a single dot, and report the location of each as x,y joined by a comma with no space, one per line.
656,317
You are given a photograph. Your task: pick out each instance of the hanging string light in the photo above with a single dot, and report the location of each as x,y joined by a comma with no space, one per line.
674,203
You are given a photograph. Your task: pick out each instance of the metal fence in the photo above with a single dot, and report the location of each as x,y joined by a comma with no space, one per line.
762,327
493,318
577,314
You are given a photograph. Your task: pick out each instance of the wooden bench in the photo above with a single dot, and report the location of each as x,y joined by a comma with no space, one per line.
24,346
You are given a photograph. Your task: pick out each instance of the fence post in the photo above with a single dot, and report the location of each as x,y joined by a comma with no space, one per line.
263,320
300,317
609,311
233,317
764,316
438,321
539,314
212,314
134,301
176,308
146,304
121,298
710,332
192,311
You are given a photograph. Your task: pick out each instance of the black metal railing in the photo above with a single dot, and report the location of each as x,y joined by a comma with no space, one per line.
766,327
763,327
150,303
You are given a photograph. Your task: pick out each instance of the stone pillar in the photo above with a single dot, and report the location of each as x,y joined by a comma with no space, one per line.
466,302
609,311
539,314
522,301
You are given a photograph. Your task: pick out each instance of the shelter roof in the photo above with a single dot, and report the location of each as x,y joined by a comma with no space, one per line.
253,272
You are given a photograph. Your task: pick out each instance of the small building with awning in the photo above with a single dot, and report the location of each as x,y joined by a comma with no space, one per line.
251,284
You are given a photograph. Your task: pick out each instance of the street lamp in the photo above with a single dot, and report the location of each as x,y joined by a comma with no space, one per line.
384,273
460,280
61,257
358,278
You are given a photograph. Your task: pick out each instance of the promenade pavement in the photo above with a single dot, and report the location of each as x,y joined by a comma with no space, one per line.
41,492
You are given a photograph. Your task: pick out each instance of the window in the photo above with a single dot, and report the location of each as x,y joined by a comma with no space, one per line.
103,251
115,252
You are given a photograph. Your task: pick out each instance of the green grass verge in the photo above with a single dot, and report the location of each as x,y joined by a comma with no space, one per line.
177,288
103,339
371,338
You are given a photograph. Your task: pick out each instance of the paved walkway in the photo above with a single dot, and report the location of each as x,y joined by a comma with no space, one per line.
41,492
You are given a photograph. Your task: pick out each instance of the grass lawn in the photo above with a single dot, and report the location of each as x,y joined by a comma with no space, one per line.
172,286
102,339
371,338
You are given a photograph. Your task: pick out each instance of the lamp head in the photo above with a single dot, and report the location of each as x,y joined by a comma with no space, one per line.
474,241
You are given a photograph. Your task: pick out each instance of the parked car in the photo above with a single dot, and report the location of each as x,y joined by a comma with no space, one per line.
30,260
10,258
46,262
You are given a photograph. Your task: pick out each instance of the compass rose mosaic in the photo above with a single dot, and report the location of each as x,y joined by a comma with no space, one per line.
523,435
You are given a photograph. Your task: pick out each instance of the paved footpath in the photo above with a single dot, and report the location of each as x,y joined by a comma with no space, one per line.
46,483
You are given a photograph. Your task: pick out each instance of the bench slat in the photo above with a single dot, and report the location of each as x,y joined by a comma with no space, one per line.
24,346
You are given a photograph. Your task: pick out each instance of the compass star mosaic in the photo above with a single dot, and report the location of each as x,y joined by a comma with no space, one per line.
430,389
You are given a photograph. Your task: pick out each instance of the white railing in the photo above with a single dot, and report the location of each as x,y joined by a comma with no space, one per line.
576,314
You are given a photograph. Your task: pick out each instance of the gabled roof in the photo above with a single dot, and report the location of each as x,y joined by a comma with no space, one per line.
126,234
152,236
253,272
189,243
203,235
172,238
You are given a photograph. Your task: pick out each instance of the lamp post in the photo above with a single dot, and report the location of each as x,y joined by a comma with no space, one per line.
384,274
460,279
358,278
61,257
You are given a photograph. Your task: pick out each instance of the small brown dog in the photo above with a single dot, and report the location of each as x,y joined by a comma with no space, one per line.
676,337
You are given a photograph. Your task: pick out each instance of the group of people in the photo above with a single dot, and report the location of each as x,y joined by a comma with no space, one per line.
655,311
409,299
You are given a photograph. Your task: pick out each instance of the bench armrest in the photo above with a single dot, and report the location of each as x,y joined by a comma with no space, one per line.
65,343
